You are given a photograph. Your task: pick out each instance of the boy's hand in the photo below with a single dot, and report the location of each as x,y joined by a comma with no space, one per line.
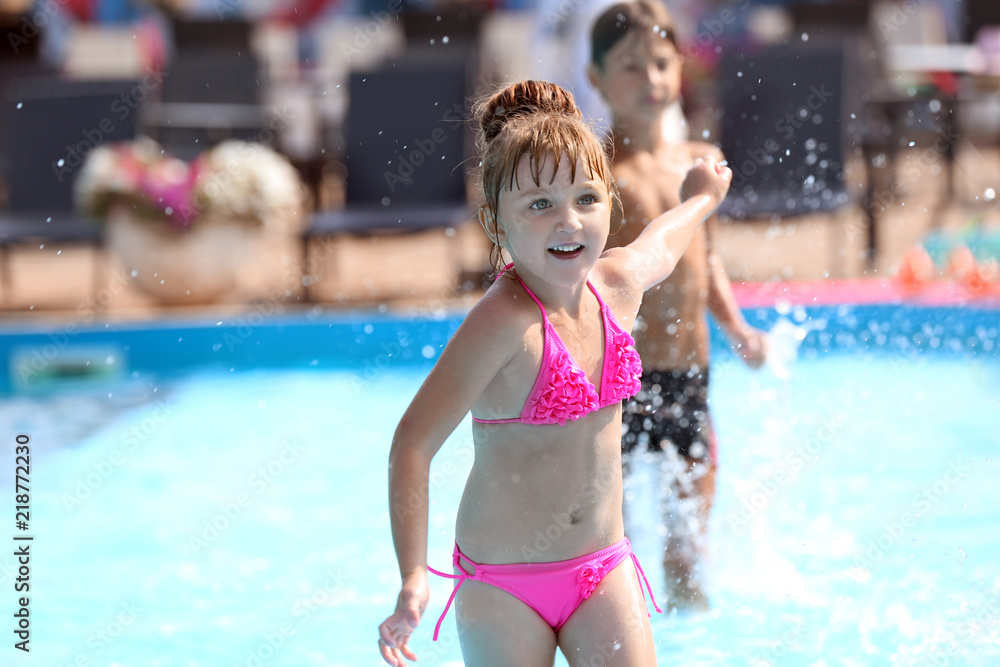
394,633
751,344
707,176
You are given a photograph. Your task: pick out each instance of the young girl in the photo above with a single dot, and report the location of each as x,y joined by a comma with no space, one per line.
543,361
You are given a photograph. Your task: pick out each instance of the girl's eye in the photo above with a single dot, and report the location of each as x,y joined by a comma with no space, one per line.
540,204
588,199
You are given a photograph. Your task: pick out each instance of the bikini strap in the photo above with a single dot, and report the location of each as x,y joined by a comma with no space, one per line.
638,571
545,315
461,577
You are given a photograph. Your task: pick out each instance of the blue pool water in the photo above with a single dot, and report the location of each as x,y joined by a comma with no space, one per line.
233,512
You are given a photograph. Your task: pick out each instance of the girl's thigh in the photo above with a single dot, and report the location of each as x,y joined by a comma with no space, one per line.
495,628
611,627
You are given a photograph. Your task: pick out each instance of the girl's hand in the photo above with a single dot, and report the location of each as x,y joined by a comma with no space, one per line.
707,176
394,633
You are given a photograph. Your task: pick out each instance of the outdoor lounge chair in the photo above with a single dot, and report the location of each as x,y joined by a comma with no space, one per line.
51,125
404,149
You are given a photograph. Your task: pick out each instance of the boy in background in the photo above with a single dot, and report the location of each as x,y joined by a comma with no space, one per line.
636,66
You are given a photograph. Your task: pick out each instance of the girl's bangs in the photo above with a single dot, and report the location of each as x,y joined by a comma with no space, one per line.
558,138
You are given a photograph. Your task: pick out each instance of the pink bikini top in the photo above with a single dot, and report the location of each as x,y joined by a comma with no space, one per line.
562,391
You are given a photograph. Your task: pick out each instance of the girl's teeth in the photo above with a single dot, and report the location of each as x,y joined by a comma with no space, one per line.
567,248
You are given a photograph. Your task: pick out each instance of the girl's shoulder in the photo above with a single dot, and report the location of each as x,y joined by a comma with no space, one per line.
504,312
614,278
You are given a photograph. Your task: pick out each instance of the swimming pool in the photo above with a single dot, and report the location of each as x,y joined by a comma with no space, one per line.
232,511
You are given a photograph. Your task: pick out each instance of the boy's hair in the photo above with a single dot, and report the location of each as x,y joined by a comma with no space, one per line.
619,20
533,119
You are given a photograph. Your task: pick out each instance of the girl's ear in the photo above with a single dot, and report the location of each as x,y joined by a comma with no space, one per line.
594,76
489,223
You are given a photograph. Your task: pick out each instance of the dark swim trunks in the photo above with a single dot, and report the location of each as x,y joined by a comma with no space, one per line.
671,409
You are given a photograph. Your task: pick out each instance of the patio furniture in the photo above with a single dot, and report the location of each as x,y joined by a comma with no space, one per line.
51,126
404,150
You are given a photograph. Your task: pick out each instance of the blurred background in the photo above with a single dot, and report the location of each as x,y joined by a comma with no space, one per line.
368,101
235,235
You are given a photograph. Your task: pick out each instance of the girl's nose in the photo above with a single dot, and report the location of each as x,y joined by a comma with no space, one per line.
569,220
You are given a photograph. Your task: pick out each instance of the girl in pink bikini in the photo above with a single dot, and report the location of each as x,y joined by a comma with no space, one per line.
543,361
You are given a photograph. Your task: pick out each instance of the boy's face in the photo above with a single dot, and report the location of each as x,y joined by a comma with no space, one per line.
641,77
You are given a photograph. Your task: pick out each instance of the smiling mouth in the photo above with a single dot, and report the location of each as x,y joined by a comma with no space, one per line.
566,250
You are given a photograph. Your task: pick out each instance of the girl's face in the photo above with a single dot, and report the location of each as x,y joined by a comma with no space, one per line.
641,77
555,230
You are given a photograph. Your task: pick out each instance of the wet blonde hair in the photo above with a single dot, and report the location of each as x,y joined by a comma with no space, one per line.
533,119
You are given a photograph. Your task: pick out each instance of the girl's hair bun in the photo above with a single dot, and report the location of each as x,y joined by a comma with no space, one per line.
521,99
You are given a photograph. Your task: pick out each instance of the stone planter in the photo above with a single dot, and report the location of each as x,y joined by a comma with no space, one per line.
196,266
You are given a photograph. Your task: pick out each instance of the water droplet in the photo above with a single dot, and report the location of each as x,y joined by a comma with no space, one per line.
444,40
386,201
61,162
805,37
427,351
991,194
134,273
20,104
704,134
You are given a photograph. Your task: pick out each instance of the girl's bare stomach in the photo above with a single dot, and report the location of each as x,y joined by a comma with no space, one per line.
543,493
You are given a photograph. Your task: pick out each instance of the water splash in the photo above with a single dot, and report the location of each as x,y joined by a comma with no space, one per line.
783,342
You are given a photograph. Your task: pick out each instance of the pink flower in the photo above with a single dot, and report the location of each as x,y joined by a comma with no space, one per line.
590,576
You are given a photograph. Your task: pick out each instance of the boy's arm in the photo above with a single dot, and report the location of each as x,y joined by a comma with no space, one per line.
749,342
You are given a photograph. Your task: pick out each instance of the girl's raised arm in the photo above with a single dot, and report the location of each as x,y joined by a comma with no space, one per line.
483,344
654,254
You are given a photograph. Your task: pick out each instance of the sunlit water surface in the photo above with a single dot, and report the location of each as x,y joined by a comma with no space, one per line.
241,519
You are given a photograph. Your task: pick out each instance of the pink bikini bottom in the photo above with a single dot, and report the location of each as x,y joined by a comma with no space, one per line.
554,590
